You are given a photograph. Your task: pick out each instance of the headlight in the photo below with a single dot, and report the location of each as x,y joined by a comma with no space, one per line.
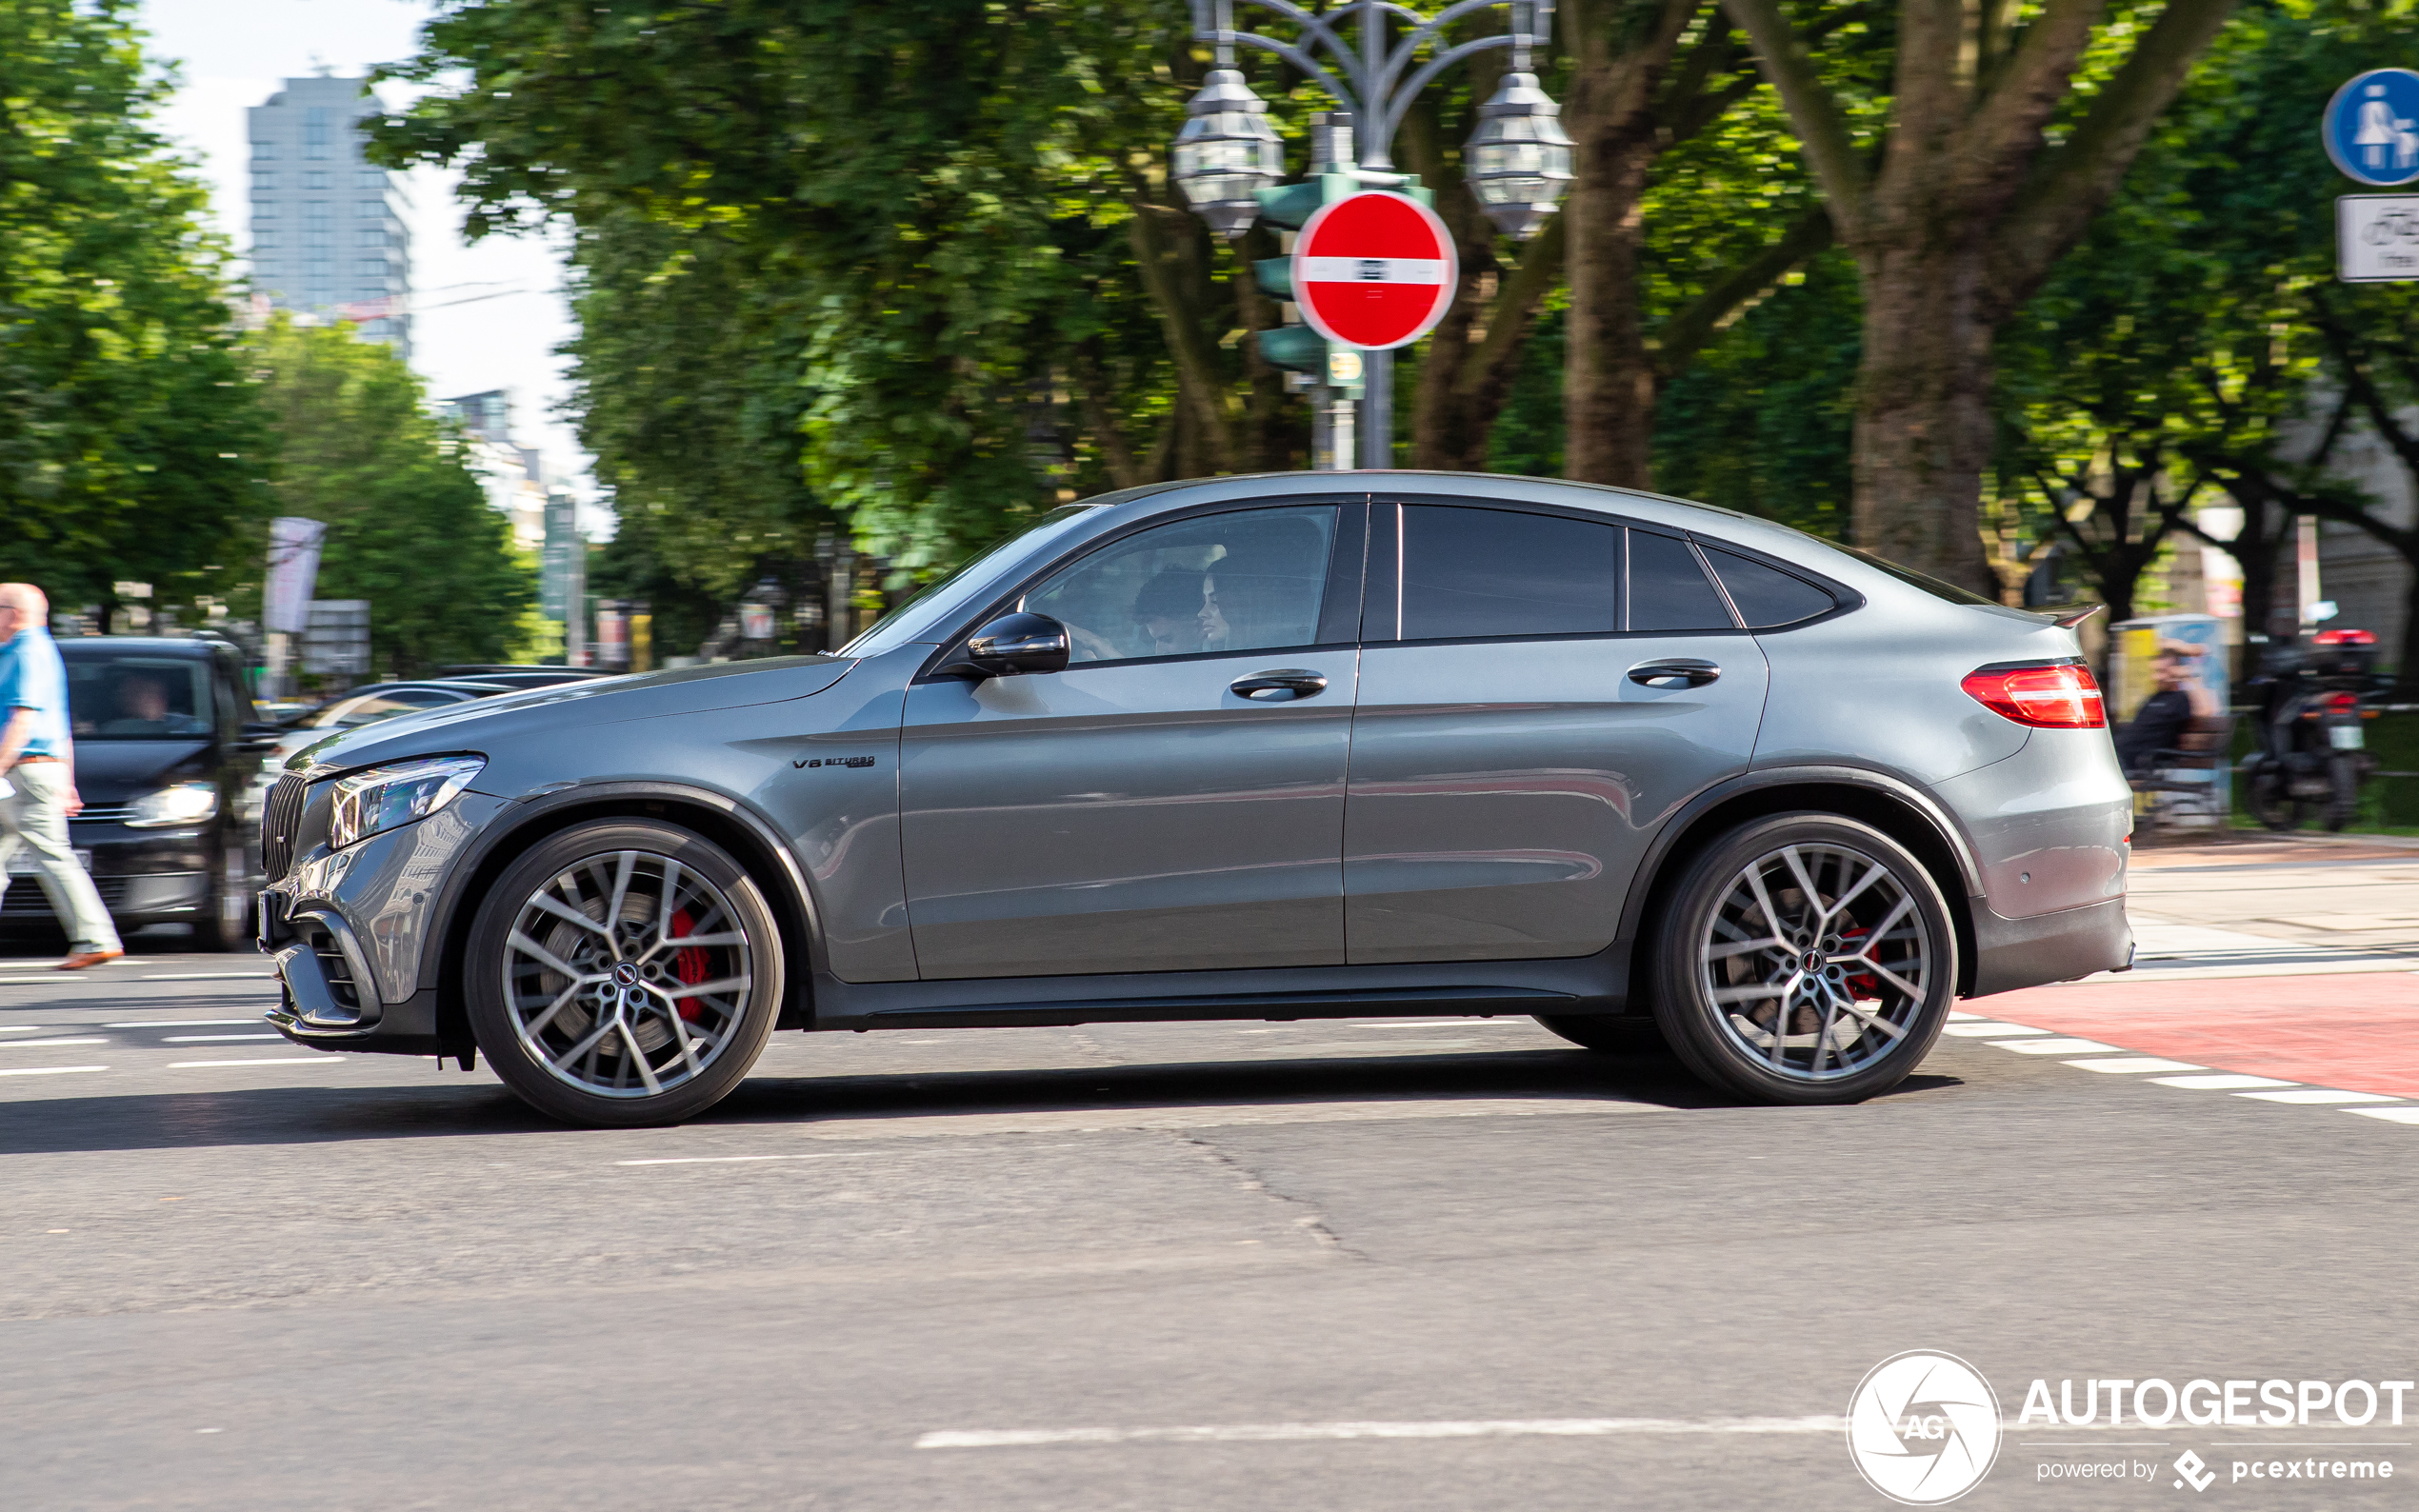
184,803
384,797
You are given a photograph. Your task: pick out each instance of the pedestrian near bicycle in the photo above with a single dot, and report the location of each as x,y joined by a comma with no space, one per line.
37,766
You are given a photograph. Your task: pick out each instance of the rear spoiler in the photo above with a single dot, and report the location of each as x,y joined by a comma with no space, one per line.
2068,621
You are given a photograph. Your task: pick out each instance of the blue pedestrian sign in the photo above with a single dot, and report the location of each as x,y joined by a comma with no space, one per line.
2371,129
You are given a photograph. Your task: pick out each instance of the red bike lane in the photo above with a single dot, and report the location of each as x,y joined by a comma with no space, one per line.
2354,1030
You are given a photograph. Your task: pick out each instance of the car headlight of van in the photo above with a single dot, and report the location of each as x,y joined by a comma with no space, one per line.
178,803
383,798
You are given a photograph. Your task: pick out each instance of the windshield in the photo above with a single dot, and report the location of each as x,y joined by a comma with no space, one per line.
128,695
919,617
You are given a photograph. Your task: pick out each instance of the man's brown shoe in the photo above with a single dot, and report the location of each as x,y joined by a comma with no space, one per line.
89,958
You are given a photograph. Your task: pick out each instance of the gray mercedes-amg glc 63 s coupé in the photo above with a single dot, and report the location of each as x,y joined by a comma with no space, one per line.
1260,747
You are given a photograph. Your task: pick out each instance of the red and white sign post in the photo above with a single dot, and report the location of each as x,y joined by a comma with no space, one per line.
1374,271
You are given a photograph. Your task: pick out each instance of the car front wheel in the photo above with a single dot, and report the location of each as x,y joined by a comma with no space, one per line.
624,973
1803,957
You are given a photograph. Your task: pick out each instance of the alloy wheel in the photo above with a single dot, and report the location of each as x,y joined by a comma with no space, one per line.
626,974
1817,961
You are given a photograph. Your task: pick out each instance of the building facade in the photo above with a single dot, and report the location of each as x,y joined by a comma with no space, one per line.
328,232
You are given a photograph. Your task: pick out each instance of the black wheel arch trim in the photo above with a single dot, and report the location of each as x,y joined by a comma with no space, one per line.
1667,840
792,902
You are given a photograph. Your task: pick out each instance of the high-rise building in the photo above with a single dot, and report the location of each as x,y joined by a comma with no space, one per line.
327,235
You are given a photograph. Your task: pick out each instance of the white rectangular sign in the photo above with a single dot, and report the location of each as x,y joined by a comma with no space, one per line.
2377,238
293,573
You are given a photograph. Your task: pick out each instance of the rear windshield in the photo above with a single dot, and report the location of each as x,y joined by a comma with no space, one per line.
1916,580
126,695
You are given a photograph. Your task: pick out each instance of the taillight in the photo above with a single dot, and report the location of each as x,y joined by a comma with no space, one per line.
2342,703
2045,697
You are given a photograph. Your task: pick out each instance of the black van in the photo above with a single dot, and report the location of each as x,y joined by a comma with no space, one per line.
167,762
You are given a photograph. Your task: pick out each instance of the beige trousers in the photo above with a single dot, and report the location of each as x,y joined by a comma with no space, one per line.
34,817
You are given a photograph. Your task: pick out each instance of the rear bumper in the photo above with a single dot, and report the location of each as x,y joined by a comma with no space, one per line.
2012,953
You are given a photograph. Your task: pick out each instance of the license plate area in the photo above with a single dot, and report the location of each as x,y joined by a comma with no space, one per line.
2344,737
26,863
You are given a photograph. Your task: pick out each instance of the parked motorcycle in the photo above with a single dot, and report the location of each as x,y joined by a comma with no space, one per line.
2311,753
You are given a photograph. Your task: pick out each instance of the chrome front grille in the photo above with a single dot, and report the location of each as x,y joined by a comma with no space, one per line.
101,814
279,821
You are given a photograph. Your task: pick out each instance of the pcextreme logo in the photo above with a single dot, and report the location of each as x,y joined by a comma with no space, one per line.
1923,1427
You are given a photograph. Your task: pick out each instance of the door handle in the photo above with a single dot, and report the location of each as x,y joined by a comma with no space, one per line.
1280,686
1678,671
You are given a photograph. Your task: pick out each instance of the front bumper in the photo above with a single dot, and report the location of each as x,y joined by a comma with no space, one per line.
356,936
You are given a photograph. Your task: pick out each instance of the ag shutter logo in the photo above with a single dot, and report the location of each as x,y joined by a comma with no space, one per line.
1923,1427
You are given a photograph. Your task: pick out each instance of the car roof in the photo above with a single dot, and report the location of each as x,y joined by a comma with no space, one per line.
193,645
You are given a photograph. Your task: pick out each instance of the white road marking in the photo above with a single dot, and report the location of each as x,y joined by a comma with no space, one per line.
44,1044
732,1160
2137,1063
213,1039
209,976
254,1022
1309,1432
2059,1046
2391,1115
1961,1016
307,1060
48,1070
1089,1121
21,1028
2320,1095
2222,1082
1985,1029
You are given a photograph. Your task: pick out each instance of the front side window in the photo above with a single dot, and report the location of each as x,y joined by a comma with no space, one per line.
1468,573
1249,581
1669,589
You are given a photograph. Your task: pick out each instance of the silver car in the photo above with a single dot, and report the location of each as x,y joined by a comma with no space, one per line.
1264,747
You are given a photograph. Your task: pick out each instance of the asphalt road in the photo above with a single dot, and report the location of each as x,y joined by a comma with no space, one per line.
1381,1264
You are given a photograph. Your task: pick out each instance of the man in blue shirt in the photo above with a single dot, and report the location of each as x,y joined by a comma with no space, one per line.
37,776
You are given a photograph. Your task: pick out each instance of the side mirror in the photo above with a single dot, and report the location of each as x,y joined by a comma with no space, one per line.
1011,645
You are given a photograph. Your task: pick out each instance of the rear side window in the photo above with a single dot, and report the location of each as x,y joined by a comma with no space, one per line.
1668,590
1766,596
1472,573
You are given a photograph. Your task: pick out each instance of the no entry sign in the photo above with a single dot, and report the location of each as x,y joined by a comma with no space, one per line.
1373,270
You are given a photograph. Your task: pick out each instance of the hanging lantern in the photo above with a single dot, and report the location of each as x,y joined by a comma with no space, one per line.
1518,161
1226,151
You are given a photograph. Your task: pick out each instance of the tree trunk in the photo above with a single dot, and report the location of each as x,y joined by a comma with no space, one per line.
1609,380
1609,377
1923,412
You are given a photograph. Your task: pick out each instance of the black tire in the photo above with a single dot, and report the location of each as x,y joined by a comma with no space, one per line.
2342,790
226,920
1609,1034
554,1038
1884,932
2267,792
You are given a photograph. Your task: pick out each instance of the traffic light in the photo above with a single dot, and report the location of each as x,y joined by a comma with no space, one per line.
1298,348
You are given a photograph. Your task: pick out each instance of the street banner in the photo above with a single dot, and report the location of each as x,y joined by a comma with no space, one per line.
293,573
1374,271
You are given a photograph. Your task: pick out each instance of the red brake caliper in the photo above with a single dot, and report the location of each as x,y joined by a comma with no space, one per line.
1864,984
689,965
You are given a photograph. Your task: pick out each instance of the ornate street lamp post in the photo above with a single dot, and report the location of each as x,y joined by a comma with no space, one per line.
1517,161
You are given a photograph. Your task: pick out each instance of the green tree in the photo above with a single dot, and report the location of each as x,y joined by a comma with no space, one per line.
130,446
409,527
2004,129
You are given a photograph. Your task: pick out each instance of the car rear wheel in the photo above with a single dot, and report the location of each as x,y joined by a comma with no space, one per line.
624,973
1803,957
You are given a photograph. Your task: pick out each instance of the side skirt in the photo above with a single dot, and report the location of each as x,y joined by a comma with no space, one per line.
1583,984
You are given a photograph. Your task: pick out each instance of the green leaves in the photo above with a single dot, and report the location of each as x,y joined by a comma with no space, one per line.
129,446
